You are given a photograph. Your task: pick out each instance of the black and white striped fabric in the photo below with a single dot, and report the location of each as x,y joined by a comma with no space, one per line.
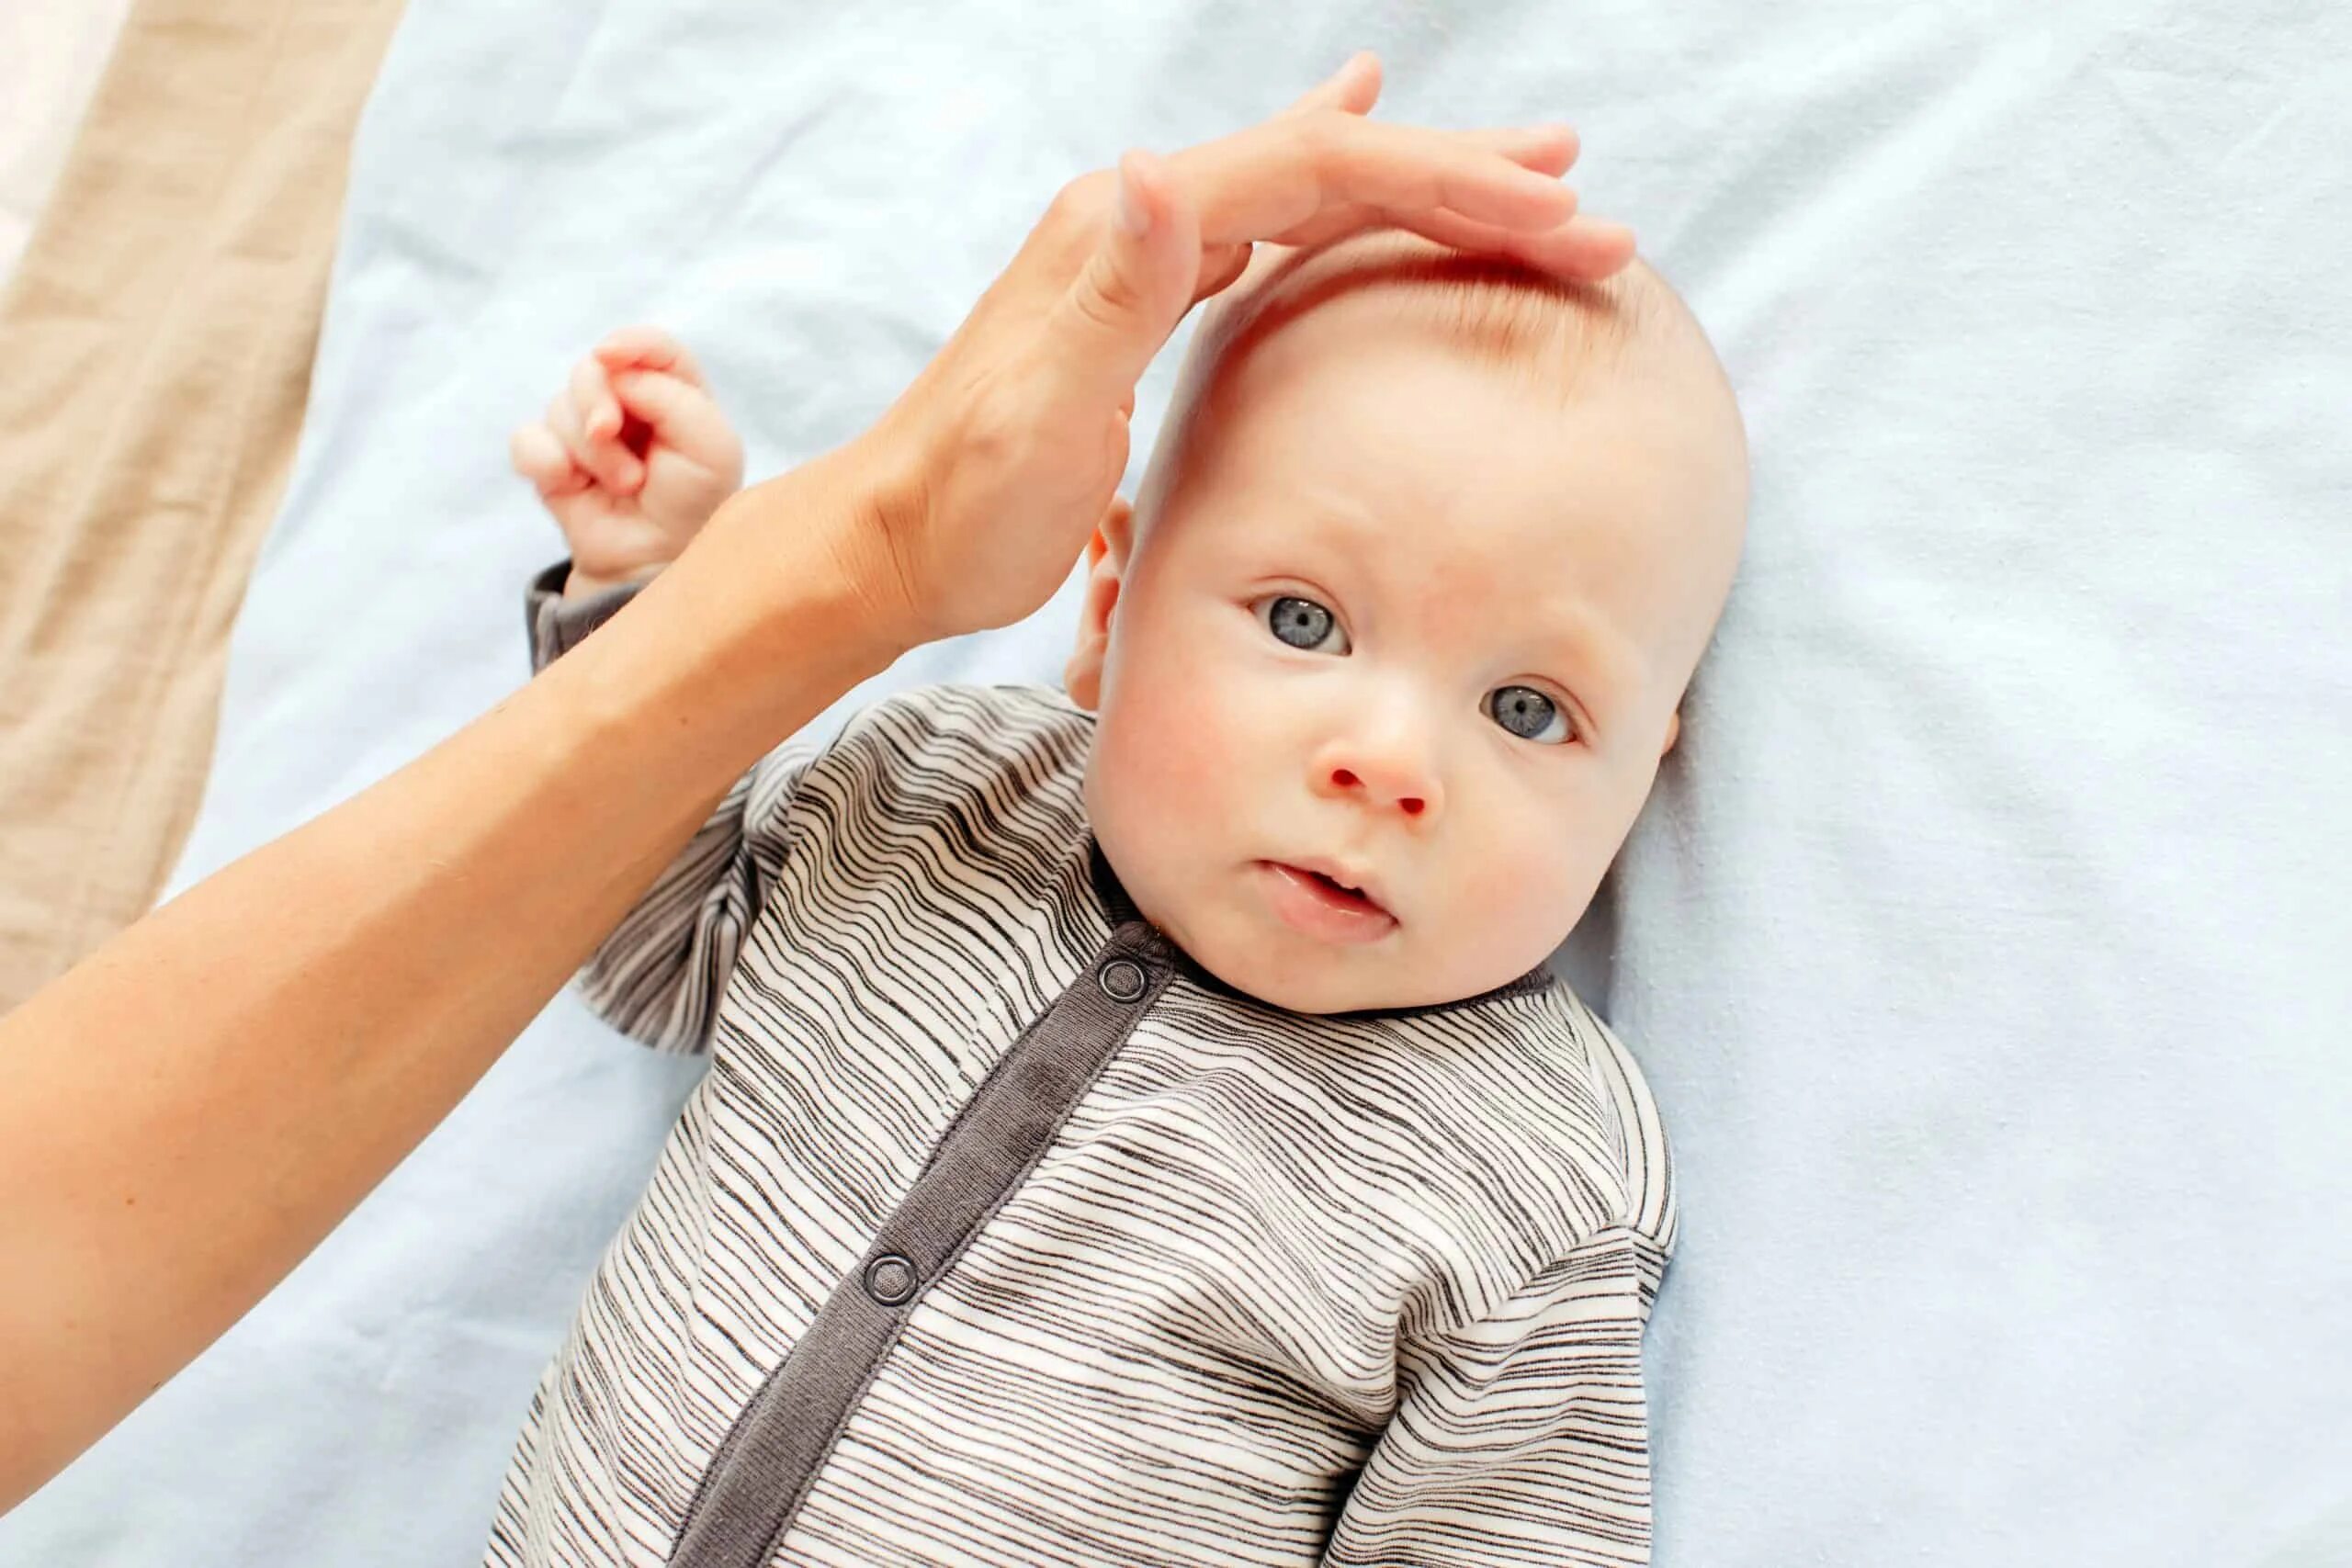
1000,1233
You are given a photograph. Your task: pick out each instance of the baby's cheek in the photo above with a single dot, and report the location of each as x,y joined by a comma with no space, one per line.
1526,890
1151,766
1200,743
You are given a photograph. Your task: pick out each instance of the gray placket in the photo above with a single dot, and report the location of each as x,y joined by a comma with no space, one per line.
763,1470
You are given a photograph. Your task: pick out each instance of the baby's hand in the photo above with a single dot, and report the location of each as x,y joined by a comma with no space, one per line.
632,458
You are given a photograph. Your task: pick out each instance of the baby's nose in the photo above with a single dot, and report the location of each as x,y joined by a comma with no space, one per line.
1411,798
1392,768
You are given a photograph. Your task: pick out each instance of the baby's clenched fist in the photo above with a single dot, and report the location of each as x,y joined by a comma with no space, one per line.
632,458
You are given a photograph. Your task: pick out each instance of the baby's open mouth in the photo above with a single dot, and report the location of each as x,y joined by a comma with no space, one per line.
1337,891
1317,904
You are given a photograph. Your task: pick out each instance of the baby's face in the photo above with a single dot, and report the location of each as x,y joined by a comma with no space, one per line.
1408,621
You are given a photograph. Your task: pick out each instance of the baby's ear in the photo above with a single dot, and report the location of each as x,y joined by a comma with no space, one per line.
1082,676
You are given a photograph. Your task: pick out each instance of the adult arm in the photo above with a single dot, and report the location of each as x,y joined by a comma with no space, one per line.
659,974
196,1104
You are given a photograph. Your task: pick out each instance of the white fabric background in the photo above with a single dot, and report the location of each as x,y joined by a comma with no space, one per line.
1984,942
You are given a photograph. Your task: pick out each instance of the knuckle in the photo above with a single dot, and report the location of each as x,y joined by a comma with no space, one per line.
993,429
1069,222
1107,297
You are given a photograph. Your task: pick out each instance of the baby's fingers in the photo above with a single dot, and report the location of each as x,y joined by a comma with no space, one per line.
540,457
593,399
650,348
579,413
684,419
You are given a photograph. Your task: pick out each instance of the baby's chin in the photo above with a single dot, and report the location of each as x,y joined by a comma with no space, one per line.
1299,975
1305,988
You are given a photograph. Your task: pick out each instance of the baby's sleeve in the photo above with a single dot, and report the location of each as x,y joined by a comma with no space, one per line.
1522,1437
659,976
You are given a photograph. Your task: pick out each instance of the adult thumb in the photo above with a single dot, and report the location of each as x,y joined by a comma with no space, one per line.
1135,288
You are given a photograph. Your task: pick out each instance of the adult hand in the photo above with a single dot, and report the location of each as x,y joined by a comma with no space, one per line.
1010,443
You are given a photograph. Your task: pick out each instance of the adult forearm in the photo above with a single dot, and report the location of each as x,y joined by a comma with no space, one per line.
192,1108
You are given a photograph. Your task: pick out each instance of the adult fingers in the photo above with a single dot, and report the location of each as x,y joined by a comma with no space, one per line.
649,348
1130,293
1544,148
1220,265
1333,221
1354,87
1549,148
1584,248
1351,89
1272,177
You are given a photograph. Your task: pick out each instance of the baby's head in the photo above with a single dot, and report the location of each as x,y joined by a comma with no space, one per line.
1423,561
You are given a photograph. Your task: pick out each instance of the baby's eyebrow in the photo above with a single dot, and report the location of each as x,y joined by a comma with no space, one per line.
1342,528
1592,660
1580,638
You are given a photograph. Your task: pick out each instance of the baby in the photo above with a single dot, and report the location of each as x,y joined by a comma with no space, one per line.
1141,1127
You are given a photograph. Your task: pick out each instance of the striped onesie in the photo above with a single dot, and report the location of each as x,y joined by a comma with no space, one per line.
1001,1233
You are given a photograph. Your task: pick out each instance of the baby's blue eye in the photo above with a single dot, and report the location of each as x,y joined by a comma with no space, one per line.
1526,713
1302,623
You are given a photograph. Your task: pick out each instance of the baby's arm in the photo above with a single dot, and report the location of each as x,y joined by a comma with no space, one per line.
632,459
1522,1437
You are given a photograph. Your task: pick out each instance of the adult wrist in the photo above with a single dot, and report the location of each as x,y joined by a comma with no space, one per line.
770,615
866,500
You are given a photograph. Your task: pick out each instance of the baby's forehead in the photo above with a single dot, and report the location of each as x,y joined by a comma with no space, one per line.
1451,489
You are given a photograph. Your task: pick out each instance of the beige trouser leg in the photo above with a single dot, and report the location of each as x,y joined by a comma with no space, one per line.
155,344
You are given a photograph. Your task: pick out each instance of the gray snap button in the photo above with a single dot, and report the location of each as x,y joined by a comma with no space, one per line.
891,1278
1122,979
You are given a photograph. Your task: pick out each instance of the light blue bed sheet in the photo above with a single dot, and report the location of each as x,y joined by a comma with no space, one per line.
1985,941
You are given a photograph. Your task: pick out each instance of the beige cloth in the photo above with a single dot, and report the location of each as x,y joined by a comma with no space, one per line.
157,336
